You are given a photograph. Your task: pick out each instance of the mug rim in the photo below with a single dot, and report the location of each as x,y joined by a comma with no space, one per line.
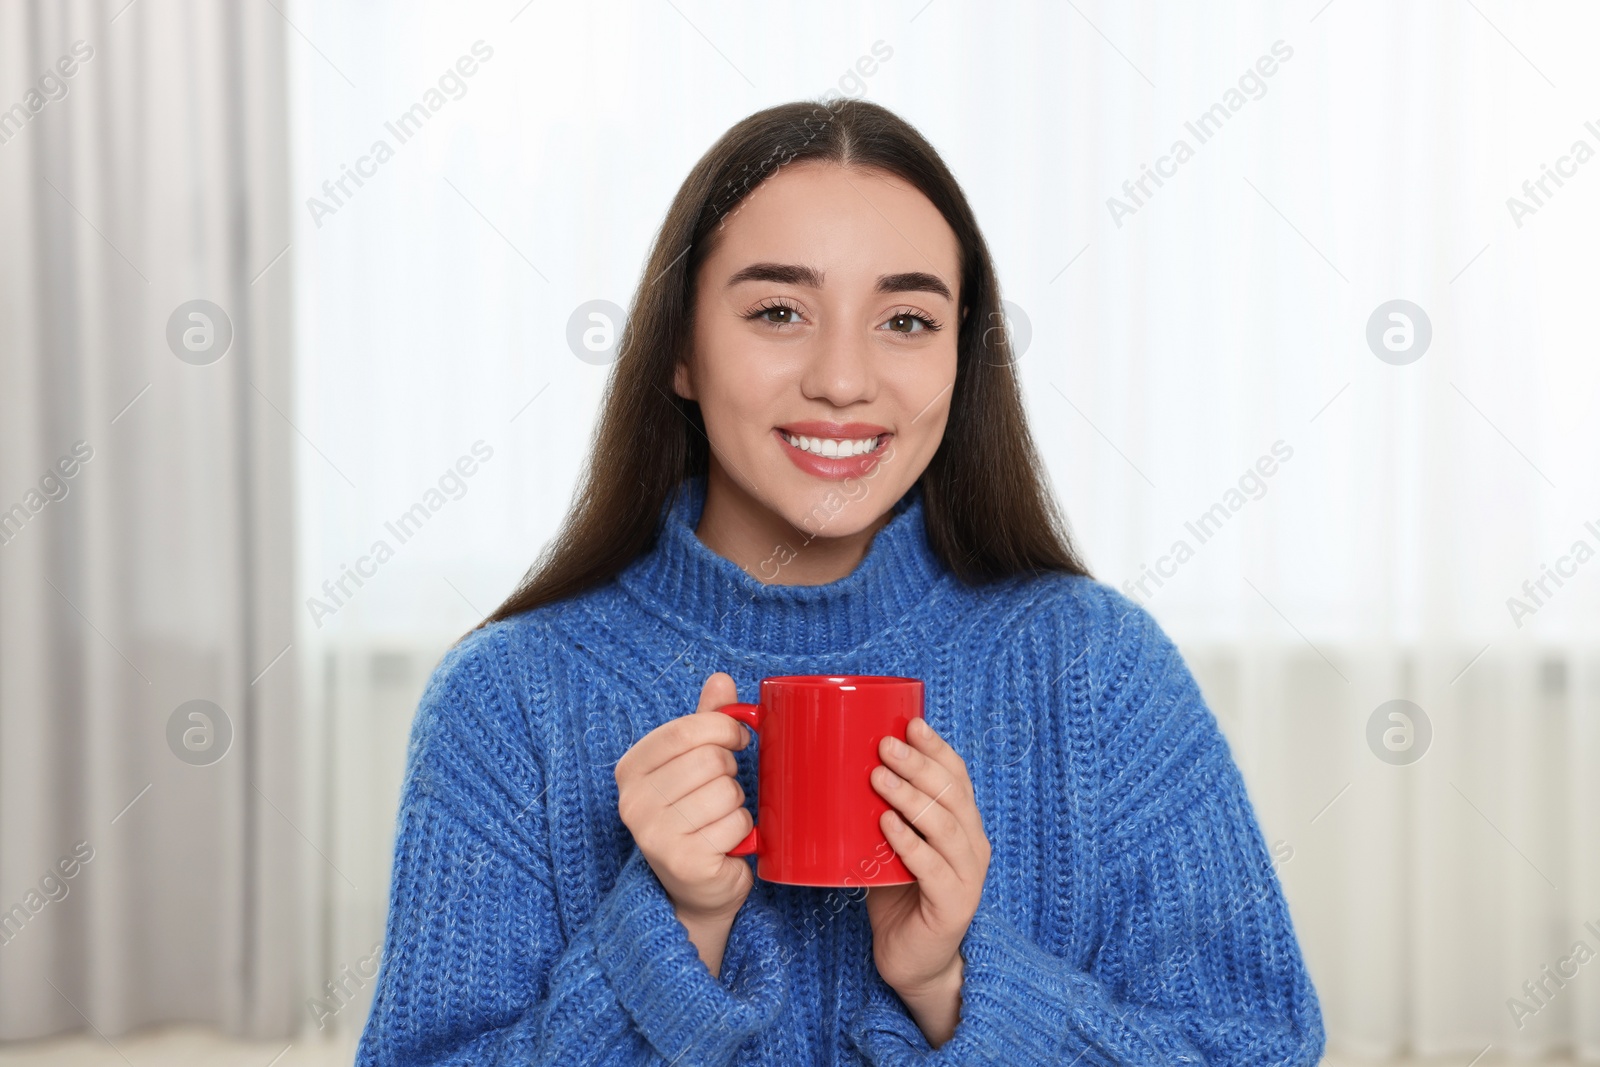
834,681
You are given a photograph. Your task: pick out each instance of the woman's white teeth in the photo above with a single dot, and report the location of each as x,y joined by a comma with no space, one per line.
832,446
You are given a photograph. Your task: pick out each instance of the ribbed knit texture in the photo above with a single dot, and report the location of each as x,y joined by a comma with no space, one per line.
1131,913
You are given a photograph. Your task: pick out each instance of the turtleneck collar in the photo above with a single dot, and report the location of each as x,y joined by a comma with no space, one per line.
683,581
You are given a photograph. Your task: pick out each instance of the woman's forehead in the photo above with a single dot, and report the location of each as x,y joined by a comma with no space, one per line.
845,227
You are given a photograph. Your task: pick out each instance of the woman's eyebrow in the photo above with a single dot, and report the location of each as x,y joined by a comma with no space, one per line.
915,281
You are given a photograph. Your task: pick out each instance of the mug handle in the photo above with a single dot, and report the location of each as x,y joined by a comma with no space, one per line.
750,715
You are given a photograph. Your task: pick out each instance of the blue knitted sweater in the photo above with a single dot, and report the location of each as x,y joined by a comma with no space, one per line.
1131,913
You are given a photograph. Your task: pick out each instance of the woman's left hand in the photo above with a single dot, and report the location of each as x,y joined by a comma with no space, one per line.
917,929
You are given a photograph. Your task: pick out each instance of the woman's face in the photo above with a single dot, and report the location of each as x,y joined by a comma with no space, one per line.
828,311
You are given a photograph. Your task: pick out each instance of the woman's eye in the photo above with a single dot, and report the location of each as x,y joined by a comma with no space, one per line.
905,321
786,315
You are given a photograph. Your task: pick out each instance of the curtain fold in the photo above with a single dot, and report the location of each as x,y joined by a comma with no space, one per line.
1425,894
151,843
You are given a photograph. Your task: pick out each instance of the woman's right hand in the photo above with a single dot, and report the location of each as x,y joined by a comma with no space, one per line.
677,794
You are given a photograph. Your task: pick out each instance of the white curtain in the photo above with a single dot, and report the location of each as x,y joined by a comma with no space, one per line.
1199,348
150,822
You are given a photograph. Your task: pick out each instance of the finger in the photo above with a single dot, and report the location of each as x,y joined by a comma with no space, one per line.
704,806
717,693
676,736
920,769
932,871
938,770
925,739
684,773
729,830
938,824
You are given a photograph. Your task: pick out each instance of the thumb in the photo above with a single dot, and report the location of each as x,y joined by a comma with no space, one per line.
720,691
717,691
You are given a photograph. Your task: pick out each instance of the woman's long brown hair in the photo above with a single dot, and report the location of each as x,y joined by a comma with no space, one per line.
987,507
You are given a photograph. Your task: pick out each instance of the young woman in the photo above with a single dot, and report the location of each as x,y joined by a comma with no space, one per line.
813,458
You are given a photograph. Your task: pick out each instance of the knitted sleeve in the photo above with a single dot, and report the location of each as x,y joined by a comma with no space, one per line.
478,968
1198,961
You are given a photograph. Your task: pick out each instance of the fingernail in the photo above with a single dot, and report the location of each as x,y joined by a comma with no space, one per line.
898,747
920,727
890,779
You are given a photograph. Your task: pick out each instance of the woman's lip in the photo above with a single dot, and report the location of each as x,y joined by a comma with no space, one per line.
833,468
853,431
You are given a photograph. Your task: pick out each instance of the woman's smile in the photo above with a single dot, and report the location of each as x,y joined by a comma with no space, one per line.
833,450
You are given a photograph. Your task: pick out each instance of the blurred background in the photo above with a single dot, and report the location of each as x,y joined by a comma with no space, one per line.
1304,300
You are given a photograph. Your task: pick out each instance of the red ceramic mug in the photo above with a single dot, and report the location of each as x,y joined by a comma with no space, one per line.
816,810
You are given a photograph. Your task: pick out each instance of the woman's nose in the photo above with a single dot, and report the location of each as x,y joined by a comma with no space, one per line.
840,369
